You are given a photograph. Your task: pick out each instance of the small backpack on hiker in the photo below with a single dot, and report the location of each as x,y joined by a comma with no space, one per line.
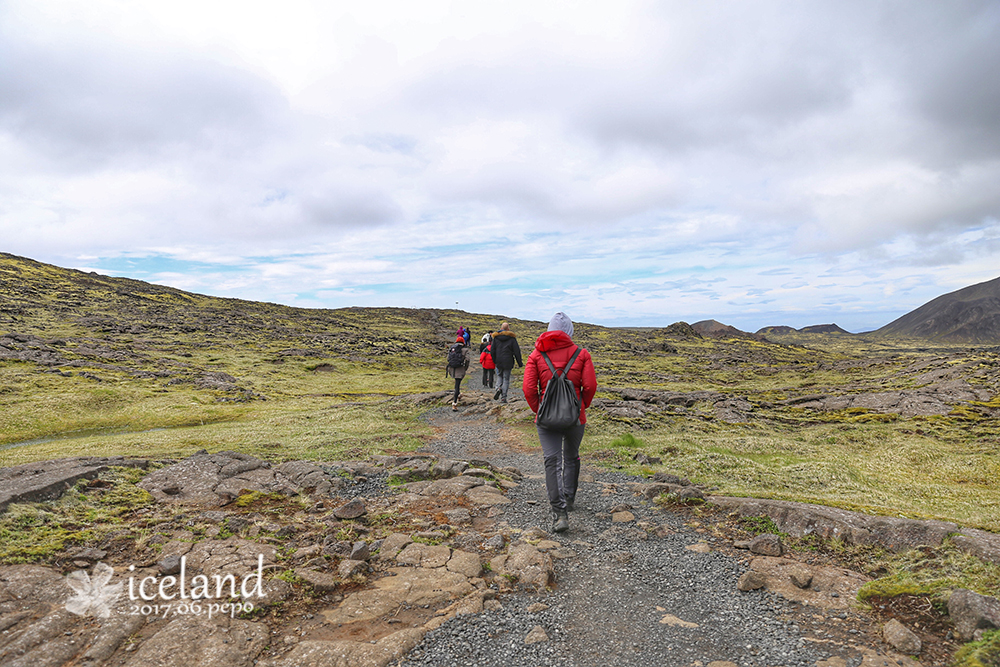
560,406
456,355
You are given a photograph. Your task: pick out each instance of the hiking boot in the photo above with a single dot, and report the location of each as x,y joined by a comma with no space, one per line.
496,396
560,522
454,405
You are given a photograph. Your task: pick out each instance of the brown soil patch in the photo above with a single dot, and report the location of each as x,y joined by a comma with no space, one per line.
918,613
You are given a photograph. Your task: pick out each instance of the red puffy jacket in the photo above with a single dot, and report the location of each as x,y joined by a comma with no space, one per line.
559,347
485,360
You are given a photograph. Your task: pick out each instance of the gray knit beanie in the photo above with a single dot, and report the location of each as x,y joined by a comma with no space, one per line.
561,322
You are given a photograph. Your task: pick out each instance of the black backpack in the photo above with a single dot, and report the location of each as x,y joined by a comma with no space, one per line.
560,408
456,356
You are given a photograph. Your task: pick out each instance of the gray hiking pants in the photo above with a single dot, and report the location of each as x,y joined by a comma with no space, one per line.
561,450
503,381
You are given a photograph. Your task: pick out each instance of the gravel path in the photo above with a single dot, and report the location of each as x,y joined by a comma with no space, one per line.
627,598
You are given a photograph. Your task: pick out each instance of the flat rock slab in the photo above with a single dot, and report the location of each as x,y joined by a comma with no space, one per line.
194,640
800,519
39,630
829,588
47,480
346,653
486,495
424,555
215,479
409,585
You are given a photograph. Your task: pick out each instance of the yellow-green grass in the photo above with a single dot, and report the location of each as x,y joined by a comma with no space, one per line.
877,468
326,376
307,428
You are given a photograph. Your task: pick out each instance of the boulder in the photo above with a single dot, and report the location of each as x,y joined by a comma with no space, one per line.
536,635
971,611
901,638
768,544
352,568
465,563
408,585
800,576
354,509
751,581
526,565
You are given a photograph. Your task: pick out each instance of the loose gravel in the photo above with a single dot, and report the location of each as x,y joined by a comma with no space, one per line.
627,599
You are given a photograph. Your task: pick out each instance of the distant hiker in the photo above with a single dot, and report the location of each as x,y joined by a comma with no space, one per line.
485,342
458,363
561,448
461,333
467,335
489,368
505,352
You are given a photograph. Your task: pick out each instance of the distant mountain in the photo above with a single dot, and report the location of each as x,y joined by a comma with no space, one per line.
968,315
715,329
823,329
814,329
777,330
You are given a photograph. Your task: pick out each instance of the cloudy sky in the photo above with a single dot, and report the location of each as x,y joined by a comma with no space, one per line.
636,163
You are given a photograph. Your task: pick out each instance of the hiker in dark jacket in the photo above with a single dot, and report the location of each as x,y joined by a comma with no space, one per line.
505,353
457,369
561,449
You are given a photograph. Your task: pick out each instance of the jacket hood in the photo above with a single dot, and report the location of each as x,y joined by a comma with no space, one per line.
561,322
505,333
553,340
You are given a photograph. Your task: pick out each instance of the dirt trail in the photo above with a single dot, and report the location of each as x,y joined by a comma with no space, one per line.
646,587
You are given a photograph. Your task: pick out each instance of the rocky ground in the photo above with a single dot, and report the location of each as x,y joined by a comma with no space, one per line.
444,558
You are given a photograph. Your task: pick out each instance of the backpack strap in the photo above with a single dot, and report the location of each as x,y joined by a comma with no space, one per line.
565,368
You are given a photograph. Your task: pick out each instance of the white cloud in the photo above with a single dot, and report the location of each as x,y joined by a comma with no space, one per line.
662,159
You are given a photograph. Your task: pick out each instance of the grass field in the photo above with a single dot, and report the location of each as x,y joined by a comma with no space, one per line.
101,366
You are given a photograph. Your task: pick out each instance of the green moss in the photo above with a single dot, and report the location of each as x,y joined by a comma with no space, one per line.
934,572
983,653
759,525
38,532
248,499
290,577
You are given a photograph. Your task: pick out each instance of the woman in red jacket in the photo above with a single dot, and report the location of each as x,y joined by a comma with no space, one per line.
486,361
561,449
